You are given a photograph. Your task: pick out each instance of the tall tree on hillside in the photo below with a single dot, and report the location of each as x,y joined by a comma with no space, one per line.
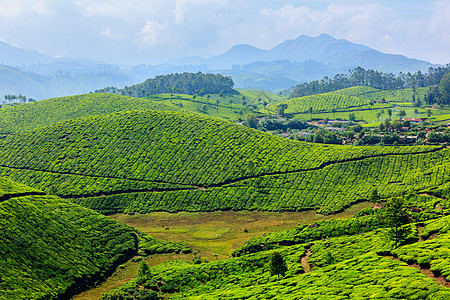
444,89
281,108
396,220
277,264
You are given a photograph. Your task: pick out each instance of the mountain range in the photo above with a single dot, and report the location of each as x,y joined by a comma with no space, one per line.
288,63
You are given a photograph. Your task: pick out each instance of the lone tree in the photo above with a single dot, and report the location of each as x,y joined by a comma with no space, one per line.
396,220
144,272
277,264
374,196
281,108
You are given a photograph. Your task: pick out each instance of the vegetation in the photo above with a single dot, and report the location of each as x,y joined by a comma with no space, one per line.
52,248
356,266
370,78
137,161
327,102
23,118
185,83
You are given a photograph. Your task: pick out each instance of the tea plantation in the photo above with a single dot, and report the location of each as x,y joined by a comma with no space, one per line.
355,266
145,161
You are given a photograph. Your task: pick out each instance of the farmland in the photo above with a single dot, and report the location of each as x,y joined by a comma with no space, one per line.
207,202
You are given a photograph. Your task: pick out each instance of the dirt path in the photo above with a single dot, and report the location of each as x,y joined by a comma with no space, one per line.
10,196
426,271
305,263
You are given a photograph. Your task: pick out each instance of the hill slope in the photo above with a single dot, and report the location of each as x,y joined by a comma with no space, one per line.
52,248
150,161
25,117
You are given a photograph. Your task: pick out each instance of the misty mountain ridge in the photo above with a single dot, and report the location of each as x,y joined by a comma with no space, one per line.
293,61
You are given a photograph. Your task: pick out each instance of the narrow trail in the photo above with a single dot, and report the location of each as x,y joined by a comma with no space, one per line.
424,269
10,196
204,187
305,263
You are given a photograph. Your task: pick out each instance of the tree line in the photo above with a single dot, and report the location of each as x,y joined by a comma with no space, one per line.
185,83
15,98
362,77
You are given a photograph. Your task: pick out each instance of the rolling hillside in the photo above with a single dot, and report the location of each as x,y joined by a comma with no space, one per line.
151,161
26,117
53,248
327,102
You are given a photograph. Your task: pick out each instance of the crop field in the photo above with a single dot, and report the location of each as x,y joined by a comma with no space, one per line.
50,246
216,106
23,118
329,101
165,161
372,94
370,115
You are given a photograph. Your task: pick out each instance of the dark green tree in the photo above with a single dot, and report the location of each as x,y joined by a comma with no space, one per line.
144,272
352,117
374,196
396,219
390,112
281,108
277,264
251,120
444,88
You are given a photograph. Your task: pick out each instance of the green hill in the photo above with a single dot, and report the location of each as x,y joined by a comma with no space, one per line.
25,117
152,161
52,248
327,102
373,94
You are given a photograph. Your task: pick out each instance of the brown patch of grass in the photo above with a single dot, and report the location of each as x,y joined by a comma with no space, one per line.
214,235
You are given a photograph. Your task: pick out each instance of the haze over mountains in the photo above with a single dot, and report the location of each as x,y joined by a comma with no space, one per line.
288,63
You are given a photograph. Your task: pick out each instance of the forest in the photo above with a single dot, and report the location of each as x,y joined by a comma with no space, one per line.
371,78
185,83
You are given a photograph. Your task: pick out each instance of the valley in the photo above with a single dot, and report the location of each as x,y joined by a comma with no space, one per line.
107,196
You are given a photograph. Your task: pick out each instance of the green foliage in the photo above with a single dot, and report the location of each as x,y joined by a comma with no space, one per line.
153,161
149,245
277,264
444,88
327,102
396,219
185,83
51,247
23,118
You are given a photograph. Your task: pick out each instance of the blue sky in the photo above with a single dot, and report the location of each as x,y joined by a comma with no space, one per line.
143,31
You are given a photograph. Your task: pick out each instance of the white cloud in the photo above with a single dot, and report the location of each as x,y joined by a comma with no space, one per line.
162,29
17,8
150,35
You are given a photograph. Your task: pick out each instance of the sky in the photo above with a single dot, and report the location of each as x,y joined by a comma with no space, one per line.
153,31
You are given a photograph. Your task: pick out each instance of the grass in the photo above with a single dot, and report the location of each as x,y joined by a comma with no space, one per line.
214,235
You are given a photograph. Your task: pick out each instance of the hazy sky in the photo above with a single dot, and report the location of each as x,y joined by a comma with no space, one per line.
149,31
